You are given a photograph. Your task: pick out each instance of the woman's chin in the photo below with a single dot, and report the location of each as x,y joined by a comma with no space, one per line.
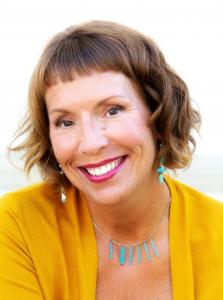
108,197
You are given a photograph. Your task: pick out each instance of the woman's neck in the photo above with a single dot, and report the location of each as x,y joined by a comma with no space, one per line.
133,217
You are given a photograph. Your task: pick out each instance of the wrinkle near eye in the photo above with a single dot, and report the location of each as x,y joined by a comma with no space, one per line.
131,108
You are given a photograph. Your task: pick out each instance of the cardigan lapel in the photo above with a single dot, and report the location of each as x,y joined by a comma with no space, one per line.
88,251
180,255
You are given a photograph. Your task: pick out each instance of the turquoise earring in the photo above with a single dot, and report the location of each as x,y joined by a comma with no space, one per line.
160,170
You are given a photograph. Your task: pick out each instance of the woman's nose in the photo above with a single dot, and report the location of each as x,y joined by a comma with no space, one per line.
93,138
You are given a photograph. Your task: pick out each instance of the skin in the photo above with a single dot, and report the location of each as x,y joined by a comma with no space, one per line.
82,130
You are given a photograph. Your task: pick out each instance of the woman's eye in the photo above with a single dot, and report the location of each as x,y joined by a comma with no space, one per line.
114,110
64,123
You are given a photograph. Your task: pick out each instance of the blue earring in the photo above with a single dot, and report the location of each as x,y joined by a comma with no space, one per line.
160,170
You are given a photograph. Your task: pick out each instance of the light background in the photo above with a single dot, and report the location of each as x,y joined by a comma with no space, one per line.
188,32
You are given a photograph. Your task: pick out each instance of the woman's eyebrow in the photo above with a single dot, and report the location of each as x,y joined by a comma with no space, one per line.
59,110
101,102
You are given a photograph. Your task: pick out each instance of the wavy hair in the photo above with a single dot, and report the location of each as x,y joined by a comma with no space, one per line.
107,46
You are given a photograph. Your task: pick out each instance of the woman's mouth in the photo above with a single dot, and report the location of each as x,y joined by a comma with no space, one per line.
105,171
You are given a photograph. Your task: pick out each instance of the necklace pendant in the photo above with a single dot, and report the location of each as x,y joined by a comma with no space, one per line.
130,255
139,258
110,250
154,248
122,255
127,254
147,252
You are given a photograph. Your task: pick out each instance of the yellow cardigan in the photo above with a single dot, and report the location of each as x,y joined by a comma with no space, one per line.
48,249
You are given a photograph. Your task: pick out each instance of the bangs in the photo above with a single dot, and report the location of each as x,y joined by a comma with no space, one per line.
82,55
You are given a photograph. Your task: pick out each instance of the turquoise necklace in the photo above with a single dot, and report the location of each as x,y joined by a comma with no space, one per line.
126,250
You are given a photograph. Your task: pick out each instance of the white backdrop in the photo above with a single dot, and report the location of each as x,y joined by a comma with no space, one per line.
188,32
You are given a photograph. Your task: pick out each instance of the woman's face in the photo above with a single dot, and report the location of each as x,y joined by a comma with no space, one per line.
100,136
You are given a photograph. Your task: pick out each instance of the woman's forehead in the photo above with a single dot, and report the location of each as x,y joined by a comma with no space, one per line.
98,85
92,91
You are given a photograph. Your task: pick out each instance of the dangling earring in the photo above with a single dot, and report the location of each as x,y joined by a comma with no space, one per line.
161,169
63,197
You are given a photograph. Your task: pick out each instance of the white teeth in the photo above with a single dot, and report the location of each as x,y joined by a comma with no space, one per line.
111,166
104,169
97,171
92,172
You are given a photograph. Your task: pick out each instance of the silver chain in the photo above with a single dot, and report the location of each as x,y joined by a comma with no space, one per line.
138,243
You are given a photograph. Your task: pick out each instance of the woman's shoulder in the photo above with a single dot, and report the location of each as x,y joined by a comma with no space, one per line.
31,193
26,190
199,208
31,201
35,210
37,204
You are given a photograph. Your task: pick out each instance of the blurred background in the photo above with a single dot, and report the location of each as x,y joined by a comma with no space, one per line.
189,34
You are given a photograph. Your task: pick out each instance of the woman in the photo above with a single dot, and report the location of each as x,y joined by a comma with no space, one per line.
107,116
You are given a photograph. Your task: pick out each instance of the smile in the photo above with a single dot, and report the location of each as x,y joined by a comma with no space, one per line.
105,171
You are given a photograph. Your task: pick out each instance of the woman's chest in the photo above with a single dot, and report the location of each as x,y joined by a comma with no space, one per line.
149,279
144,281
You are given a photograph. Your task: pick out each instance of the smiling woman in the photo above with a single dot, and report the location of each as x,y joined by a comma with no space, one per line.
88,137
106,118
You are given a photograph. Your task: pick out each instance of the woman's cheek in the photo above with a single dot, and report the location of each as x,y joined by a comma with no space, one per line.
63,145
134,130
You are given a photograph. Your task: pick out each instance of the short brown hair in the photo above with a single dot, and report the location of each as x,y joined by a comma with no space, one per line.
106,46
